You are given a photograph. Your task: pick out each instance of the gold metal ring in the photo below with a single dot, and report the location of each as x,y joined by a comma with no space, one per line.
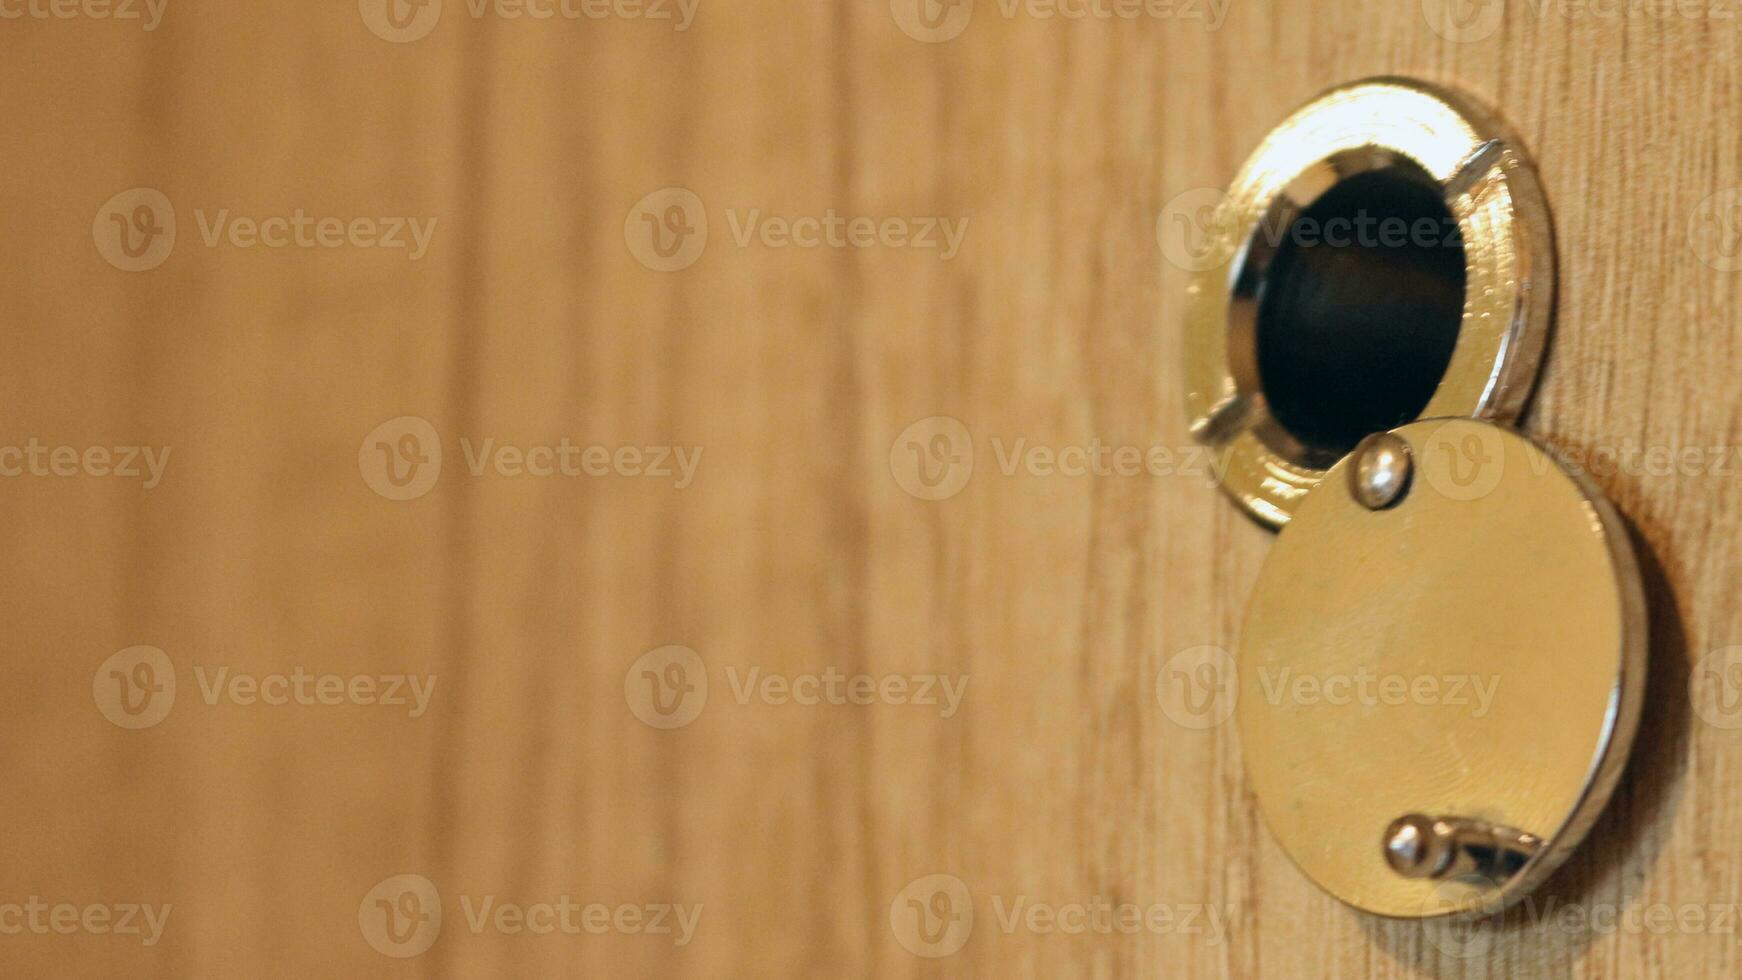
1490,190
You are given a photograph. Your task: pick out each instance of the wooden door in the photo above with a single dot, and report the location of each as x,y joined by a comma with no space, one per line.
670,457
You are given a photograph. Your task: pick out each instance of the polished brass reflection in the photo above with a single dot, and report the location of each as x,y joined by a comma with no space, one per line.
1472,654
1392,134
1419,846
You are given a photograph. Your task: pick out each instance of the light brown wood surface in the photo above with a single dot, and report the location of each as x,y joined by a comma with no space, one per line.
796,549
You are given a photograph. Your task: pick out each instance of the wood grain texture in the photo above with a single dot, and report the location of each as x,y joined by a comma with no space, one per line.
796,550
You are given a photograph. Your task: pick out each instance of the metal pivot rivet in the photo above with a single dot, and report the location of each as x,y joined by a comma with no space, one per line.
1418,846
1380,476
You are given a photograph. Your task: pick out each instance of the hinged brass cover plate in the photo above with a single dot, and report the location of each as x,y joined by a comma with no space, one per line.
1474,648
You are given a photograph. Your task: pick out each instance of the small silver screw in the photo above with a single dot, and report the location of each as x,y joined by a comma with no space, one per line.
1380,475
1415,848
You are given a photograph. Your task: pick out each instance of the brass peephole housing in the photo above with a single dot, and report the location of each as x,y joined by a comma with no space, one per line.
1384,256
1372,308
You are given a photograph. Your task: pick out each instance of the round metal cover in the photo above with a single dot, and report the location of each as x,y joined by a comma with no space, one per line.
1473,648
